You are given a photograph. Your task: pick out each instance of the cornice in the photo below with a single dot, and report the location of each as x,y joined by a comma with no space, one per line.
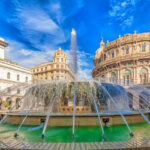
15,67
128,39
3,43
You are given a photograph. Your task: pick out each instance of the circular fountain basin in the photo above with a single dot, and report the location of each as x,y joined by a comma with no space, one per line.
84,119
54,113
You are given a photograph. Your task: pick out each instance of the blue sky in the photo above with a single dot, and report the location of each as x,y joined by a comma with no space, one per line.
34,29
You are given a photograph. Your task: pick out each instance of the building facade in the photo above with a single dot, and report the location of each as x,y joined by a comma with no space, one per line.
12,78
126,58
58,69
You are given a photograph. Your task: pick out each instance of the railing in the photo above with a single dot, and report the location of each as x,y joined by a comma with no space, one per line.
122,58
128,39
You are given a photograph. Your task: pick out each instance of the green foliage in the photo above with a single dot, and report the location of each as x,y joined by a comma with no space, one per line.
6,104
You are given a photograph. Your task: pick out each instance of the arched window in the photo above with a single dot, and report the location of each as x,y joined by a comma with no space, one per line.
143,76
18,77
127,76
143,48
8,75
113,77
112,54
26,79
113,74
8,102
127,50
17,103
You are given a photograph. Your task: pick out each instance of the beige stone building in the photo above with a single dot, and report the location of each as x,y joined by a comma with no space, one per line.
58,69
126,58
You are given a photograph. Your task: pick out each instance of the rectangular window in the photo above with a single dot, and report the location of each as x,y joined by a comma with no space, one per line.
57,66
112,55
143,48
127,51
26,79
18,77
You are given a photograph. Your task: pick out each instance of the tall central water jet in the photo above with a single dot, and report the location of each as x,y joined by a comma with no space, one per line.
73,61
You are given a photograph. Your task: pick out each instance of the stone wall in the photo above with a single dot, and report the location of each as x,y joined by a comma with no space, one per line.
126,58
80,120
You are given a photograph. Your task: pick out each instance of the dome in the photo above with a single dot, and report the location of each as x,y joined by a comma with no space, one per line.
59,52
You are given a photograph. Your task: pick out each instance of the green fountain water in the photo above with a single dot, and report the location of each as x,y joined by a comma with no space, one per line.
82,134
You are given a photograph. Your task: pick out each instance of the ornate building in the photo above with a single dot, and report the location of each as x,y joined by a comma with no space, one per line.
56,70
13,79
126,58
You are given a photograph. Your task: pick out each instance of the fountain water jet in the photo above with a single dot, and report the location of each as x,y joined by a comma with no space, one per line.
50,109
16,134
124,94
74,103
104,137
131,133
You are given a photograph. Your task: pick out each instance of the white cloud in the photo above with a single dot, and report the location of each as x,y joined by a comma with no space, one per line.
122,11
43,30
29,58
36,20
25,52
123,4
129,20
37,26
56,10
26,57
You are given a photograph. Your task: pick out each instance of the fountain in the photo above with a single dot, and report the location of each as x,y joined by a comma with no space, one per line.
79,114
50,109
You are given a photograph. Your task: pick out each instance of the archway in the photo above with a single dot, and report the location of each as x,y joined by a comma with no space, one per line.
17,103
127,76
113,76
143,76
8,102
